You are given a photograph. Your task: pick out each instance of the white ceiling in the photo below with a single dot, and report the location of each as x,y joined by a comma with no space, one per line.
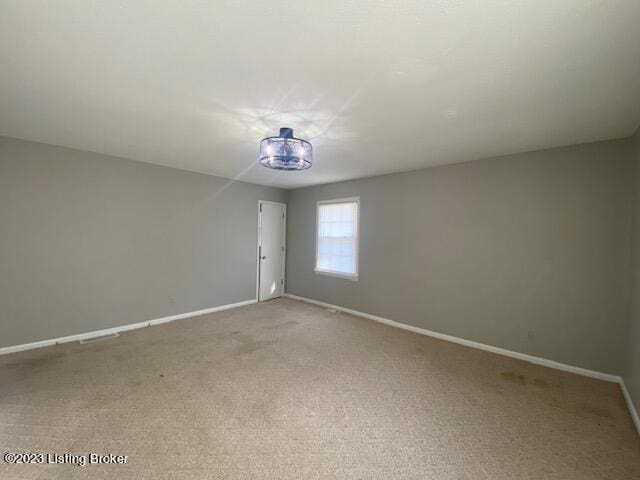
377,86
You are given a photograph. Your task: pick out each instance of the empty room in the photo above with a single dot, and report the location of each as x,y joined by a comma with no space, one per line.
370,239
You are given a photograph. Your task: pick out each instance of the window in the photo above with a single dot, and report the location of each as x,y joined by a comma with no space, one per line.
337,237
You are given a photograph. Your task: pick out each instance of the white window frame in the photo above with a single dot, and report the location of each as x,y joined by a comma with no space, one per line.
331,273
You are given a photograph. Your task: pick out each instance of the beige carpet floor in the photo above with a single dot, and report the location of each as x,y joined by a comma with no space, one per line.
287,390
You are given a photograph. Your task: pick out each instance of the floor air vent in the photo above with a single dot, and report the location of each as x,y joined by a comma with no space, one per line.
99,338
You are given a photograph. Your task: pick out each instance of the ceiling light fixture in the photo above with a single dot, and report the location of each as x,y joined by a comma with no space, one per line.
285,152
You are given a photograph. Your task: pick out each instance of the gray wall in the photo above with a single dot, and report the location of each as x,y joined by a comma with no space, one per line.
91,242
529,252
632,368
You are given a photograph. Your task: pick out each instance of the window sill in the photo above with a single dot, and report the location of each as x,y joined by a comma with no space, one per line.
346,276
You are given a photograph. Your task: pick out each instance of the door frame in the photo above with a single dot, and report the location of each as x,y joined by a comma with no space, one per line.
259,244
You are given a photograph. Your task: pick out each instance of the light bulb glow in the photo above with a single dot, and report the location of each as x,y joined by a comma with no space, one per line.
285,152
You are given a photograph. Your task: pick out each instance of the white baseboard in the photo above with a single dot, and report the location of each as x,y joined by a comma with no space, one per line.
180,316
500,351
122,328
630,404
468,343
481,346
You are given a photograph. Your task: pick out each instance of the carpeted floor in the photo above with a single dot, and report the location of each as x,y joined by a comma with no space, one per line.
286,390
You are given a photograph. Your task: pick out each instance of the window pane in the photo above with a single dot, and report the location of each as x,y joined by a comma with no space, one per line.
338,237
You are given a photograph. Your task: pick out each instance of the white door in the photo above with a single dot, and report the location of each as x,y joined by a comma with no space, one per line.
271,249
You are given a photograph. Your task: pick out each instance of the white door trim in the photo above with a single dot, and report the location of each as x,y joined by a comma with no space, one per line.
258,245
